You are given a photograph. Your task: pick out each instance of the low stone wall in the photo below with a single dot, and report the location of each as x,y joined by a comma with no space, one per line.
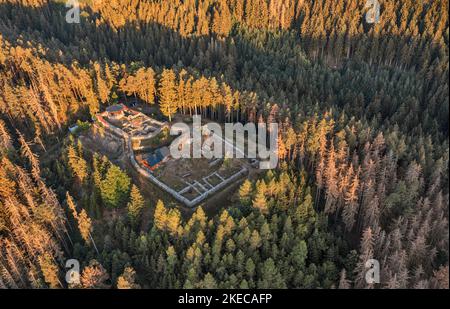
112,128
146,173
220,186
189,203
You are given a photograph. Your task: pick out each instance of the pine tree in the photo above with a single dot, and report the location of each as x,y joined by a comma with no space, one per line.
351,203
71,204
94,276
173,221
330,180
5,138
167,94
145,79
136,204
77,164
250,268
221,23
270,276
299,254
255,240
260,202
171,257
115,187
160,216
102,86
83,221
208,282
440,278
245,192
128,279
49,270
84,225
343,282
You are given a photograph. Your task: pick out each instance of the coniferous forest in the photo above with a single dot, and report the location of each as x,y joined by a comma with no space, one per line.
363,148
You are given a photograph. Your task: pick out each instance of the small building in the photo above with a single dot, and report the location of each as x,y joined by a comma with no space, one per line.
155,159
116,111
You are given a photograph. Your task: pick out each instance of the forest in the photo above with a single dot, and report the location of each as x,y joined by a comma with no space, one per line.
363,151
